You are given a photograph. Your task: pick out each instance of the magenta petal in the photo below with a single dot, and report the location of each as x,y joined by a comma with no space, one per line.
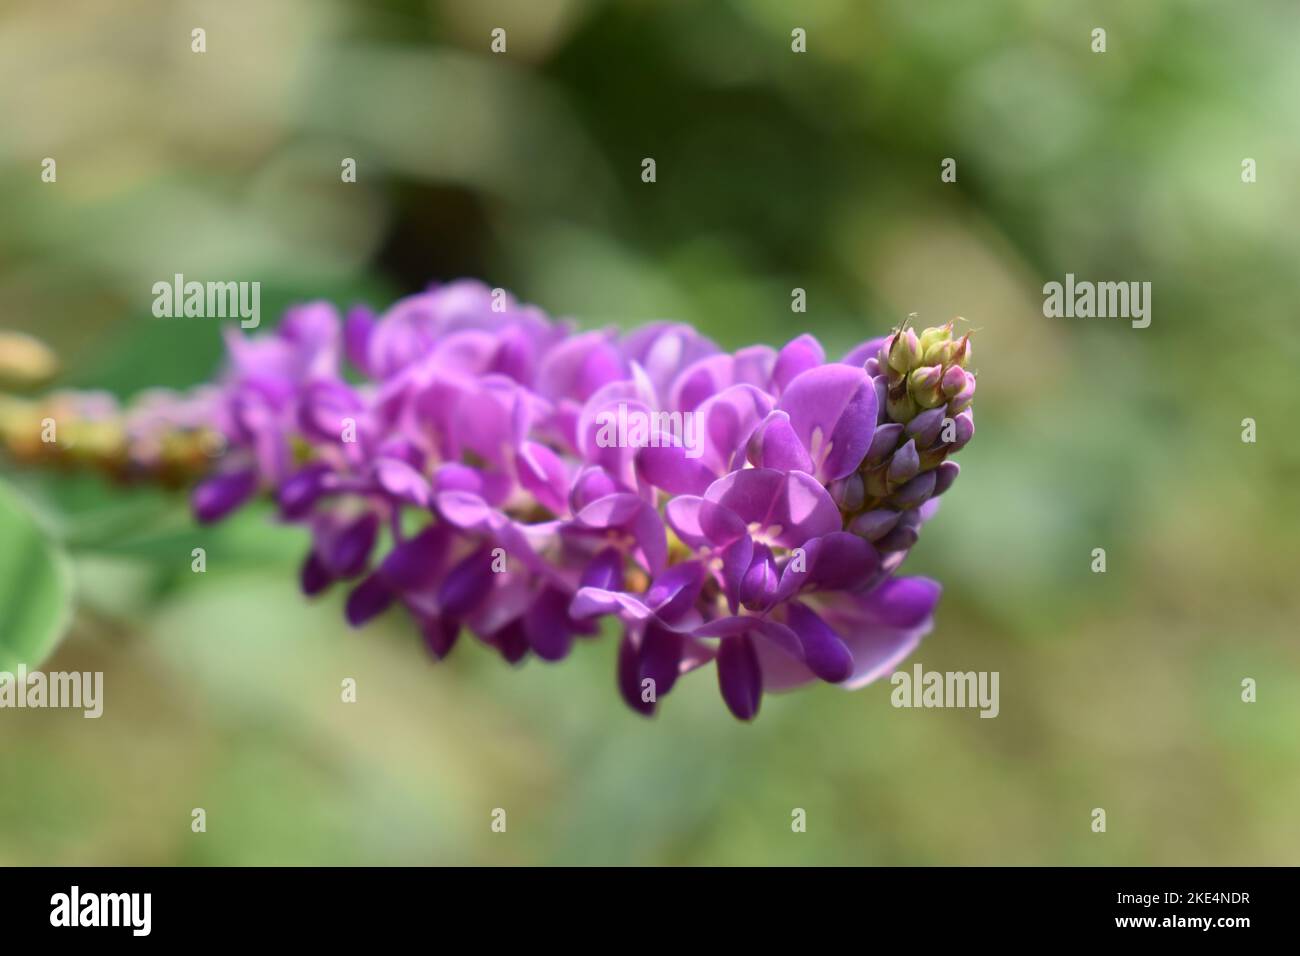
629,677
758,585
591,484
511,641
594,601
368,599
218,496
604,571
881,628
314,576
905,602
790,507
725,423
633,515
467,584
673,593
652,538
453,476
838,561
439,634
547,626
464,509
578,367
669,469
726,627
348,551
542,473
403,482
416,564
751,494
823,651
739,677
357,329
778,447
661,655
299,492
699,522
799,355
859,354
612,511
833,410
700,380
736,560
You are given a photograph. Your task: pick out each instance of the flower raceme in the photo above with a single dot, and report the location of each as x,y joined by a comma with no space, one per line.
465,473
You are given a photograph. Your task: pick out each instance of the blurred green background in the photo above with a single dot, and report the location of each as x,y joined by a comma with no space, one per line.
776,170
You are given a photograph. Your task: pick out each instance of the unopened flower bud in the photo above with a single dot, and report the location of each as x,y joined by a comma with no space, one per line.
760,581
944,476
934,335
962,400
963,428
849,493
899,404
940,353
954,380
874,525
876,481
904,351
900,539
925,428
923,386
915,492
904,465
883,441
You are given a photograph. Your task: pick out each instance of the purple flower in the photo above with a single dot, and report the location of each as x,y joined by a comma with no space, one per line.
750,509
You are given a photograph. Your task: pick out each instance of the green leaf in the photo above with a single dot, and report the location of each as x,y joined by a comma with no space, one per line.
35,587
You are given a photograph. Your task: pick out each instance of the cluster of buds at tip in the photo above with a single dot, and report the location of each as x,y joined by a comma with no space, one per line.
925,417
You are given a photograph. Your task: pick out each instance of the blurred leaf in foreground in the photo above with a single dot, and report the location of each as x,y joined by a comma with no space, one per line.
35,587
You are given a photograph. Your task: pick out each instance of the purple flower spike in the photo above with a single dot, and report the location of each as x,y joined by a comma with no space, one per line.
750,511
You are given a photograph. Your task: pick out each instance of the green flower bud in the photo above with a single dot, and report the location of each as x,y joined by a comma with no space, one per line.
899,404
904,351
933,336
924,385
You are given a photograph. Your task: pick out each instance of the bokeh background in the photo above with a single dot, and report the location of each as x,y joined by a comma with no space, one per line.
776,170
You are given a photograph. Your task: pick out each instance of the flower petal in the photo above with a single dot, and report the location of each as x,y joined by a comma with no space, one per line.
833,410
